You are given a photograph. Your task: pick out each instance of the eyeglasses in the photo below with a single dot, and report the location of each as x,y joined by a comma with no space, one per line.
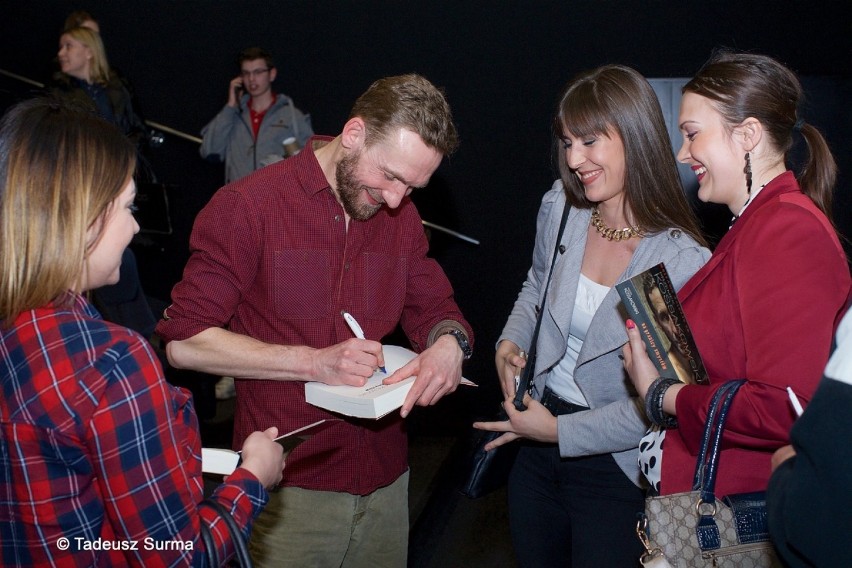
254,73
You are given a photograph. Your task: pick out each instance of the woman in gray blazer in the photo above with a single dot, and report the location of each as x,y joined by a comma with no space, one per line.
575,488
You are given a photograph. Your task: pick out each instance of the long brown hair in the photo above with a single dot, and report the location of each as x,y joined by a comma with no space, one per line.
618,98
60,169
743,85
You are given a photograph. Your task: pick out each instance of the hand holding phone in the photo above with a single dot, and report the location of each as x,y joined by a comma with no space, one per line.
235,92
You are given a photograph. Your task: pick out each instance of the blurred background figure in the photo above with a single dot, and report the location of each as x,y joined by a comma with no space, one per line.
81,19
86,78
251,129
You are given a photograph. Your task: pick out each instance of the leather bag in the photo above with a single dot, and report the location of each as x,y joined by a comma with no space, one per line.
695,529
489,470
241,555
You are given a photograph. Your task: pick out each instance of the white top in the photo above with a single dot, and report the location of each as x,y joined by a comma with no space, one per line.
590,295
840,365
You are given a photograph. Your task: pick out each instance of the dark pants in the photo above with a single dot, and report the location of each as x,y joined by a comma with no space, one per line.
574,512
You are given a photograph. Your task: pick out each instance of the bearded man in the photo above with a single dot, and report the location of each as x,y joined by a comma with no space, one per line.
276,258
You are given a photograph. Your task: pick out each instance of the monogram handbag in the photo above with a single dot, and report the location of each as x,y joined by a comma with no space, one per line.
695,529
489,470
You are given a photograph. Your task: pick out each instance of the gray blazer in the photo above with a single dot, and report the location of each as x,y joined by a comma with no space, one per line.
616,421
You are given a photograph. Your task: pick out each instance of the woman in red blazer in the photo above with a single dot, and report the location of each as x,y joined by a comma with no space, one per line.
766,304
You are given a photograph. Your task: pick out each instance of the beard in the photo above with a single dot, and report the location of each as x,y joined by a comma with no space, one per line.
350,189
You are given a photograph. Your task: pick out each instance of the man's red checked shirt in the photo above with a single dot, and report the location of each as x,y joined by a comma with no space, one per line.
272,259
97,449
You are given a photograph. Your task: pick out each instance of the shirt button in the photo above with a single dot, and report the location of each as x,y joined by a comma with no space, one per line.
337,218
346,266
675,233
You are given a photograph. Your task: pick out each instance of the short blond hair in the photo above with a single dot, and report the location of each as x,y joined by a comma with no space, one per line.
61,167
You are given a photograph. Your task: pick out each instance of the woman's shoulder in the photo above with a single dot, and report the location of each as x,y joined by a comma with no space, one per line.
556,193
681,254
792,210
120,360
553,202
63,87
675,240
791,224
79,345
110,340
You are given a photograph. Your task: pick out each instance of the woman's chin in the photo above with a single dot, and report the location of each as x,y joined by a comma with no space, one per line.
704,194
105,281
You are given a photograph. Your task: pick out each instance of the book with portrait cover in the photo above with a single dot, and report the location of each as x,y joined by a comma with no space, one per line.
650,300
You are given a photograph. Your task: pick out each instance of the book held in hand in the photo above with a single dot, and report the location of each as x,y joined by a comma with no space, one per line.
374,399
223,462
650,300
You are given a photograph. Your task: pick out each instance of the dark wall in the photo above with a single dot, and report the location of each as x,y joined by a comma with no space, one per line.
501,62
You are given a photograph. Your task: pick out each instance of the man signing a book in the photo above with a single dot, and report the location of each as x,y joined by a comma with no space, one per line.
277,257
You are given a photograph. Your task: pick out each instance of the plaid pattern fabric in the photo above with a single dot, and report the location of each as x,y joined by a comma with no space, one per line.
98,452
273,259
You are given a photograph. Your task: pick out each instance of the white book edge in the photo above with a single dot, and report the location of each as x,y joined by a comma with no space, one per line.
374,399
219,461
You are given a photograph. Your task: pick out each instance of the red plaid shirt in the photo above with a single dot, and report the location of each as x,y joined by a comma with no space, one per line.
272,259
98,452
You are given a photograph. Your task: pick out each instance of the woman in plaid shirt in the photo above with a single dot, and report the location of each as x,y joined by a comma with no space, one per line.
99,456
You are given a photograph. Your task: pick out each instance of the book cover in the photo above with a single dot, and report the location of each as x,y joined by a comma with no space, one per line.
222,461
651,301
374,399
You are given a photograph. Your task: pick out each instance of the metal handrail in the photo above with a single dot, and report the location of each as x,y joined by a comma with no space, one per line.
198,140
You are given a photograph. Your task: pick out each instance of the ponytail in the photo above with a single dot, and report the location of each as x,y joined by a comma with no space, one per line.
819,174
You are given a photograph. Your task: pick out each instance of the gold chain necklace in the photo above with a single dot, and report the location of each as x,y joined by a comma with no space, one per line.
612,234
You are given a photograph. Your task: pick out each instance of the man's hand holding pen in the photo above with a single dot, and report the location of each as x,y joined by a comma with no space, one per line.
351,362
359,333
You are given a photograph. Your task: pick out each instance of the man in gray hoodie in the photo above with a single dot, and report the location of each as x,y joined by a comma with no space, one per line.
249,132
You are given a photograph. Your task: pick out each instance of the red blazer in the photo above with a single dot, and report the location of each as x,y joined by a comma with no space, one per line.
763,308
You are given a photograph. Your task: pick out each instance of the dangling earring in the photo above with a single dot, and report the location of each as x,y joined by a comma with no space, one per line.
747,171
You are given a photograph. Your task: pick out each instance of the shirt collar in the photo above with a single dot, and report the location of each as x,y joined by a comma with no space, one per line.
311,176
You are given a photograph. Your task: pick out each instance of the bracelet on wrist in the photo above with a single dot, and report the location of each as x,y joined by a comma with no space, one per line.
654,402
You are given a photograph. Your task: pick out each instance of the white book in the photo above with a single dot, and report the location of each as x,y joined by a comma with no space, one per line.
221,461
374,399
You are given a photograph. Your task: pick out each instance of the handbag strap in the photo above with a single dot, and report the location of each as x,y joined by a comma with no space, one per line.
709,426
707,464
209,545
525,382
241,550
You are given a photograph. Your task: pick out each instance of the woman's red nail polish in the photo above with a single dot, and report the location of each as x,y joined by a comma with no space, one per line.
630,324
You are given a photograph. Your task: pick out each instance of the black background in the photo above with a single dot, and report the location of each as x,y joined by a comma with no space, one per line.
502,64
